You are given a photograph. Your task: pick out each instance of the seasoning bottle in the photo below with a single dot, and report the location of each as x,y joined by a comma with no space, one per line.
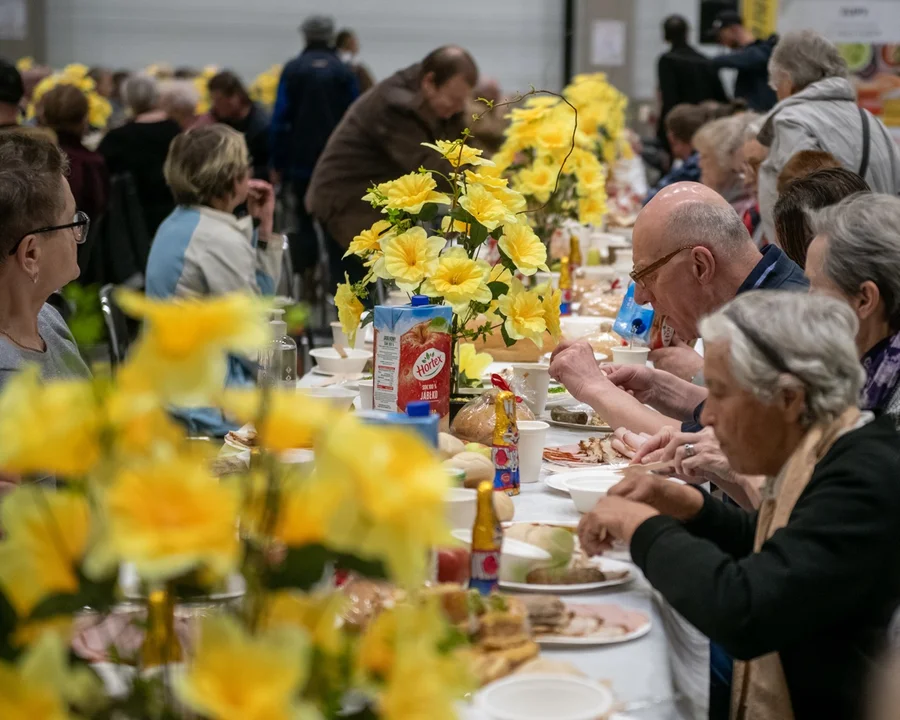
161,646
565,287
505,448
487,539
278,359
575,260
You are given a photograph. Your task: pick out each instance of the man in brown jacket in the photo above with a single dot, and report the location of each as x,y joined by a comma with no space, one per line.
380,138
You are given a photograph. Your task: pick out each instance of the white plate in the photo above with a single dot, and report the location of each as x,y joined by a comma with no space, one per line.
559,399
541,696
557,481
575,426
603,563
592,640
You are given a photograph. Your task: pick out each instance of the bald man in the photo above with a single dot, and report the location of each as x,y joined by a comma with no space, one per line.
692,254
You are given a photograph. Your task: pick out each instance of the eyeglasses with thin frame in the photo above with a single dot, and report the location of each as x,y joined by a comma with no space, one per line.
80,224
638,275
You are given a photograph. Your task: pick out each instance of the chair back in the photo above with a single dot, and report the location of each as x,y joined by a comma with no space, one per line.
116,325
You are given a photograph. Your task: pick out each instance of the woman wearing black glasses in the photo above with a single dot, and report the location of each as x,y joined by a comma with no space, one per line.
40,230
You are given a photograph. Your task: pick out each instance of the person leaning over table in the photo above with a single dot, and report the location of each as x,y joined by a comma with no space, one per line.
692,254
802,591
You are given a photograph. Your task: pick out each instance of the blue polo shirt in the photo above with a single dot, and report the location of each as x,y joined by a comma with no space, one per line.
774,271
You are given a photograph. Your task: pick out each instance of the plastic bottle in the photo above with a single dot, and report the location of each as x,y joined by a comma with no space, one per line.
487,539
278,359
565,287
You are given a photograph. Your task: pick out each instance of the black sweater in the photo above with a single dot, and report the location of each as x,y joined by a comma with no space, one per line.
821,591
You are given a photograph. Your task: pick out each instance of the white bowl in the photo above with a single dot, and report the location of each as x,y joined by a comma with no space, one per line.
517,559
340,337
328,360
575,327
587,486
539,696
341,398
461,504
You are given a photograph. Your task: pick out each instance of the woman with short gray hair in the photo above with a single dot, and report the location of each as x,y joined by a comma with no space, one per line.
855,257
801,592
817,110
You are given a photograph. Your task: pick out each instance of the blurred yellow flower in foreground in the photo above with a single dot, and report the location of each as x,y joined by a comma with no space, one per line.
410,193
457,153
238,676
376,521
349,308
48,427
486,208
551,312
409,258
368,241
592,208
318,614
167,518
459,280
524,314
47,535
41,687
471,362
524,248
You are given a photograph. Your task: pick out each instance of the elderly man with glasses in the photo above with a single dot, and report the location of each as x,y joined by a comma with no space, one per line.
692,254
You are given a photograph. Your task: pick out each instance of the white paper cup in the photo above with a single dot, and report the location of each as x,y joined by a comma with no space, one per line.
532,438
630,355
535,381
340,337
366,397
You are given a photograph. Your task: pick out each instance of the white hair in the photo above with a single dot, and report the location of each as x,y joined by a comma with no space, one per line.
779,340
721,139
863,245
141,93
807,57
717,227
178,95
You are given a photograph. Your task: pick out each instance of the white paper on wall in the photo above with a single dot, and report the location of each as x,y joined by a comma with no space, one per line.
608,39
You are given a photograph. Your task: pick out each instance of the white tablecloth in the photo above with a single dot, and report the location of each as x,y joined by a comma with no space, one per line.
641,670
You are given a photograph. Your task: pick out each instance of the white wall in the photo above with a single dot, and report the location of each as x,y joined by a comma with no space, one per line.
517,41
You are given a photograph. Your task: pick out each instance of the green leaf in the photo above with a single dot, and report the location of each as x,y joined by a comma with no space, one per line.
497,232
439,324
302,568
54,605
96,594
477,234
506,261
428,212
498,288
506,338
296,316
367,319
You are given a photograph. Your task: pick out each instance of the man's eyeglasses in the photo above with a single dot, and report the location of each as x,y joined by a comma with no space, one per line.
80,224
638,275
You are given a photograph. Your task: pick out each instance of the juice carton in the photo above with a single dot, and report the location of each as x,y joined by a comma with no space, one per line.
412,356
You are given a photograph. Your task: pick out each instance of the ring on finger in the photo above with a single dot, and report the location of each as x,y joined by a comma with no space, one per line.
689,451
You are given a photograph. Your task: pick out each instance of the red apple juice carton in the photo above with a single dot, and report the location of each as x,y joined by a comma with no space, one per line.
412,356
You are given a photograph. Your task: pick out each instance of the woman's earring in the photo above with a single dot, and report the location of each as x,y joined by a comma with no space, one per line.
34,278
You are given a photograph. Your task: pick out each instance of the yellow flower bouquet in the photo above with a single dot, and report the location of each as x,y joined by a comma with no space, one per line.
132,490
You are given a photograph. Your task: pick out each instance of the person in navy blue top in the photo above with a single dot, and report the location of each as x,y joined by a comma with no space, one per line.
682,123
314,92
749,56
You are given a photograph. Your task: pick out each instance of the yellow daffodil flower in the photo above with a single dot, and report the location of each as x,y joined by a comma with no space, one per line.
448,224
409,258
538,181
524,248
49,427
472,363
591,179
592,208
551,303
317,614
490,182
24,64
499,273
457,153
40,686
167,518
410,193
292,419
524,313
482,205
378,523
238,676
459,280
349,308
368,241
142,427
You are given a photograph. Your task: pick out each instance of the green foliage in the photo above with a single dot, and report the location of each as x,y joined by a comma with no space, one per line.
86,321
498,288
428,213
98,595
304,567
506,338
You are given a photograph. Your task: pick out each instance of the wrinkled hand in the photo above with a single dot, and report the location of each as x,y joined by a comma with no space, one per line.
666,497
573,364
707,464
652,449
613,518
628,443
680,359
261,205
635,379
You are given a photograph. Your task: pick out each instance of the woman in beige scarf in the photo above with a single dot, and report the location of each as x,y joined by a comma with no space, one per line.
801,592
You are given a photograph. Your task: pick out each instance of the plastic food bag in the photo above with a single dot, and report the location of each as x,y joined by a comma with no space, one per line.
634,321
476,419
604,339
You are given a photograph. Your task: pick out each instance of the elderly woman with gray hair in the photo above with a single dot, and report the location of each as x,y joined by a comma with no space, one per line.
817,110
803,590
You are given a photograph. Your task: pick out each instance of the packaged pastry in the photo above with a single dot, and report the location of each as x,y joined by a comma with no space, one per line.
476,420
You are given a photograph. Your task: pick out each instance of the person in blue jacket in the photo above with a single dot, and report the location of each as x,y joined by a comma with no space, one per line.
749,56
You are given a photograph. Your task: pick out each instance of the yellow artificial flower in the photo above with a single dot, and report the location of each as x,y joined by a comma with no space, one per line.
350,309
482,205
591,179
49,427
538,180
592,208
410,193
264,89
142,427
524,313
378,523
472,363
292,419
99,110
238,676
40,686
490,182
368,241
24,64
318,614
551,303
47,536
499,273
167,517
524,248
448,225
459,279
409,258
457,153
406,623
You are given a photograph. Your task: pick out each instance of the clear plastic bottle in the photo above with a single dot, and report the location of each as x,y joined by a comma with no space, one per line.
278,359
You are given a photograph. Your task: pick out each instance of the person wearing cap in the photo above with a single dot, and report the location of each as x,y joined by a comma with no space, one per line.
750,57
12,89
314,92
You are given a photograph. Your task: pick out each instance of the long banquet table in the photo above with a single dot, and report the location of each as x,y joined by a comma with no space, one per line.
640,672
